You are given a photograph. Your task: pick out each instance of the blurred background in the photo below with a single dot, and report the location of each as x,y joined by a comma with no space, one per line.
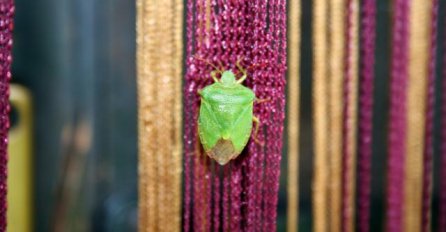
76,60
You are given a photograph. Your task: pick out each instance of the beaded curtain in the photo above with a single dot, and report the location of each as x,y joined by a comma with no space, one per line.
6,26
242,195
410,129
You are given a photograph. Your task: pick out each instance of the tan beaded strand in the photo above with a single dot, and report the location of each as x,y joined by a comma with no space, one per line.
420,13
293,115
320,106
336,77
177,143
159,55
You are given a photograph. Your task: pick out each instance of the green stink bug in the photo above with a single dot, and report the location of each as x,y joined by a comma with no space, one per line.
226,115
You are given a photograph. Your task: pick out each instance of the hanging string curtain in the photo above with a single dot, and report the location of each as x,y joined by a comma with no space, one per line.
243,194
409,171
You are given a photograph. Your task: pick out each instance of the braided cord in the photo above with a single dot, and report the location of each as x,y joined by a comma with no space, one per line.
419,50
429,122
7,9
293,115
335,115
397,122
320,178
159,57
350,113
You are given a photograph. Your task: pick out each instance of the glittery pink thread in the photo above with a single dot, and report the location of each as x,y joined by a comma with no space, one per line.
429,124
347,117
367,76
442,214
6,27
397,130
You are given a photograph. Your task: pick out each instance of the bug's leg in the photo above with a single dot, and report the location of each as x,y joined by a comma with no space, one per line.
245,74
258,100
209,63
214,75
256,130
220,65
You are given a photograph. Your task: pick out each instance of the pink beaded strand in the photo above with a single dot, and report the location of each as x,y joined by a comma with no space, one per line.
188,118
348,169
226,198
275,88
255,171
442,213
199,195
397,130
6,27
367,76
237,52
429,124
216,198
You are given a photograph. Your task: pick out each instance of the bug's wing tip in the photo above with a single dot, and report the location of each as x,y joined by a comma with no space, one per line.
222,162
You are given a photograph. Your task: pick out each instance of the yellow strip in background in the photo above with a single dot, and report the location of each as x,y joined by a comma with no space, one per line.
293,115
320,89
159,70
20,163
419,29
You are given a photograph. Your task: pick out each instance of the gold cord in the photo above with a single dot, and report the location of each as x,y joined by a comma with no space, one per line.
353,54
320,88
142,193
177,143
336,77
159,55
293,115
420,13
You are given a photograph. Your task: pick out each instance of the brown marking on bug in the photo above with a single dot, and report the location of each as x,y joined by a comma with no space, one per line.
223,152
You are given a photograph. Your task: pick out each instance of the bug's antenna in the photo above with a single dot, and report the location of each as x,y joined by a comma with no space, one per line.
221,66
245,74
209,63
240,59
257,65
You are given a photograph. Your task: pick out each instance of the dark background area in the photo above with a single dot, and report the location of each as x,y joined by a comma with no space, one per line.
78,60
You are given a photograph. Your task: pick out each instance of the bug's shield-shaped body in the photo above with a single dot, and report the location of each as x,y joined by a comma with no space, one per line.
225,120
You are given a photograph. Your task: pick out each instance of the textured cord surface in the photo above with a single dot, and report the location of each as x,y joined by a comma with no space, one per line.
350,114
397,122
159,59
366,87
442,213
429,122
336,35
419,50
6,27
320,110
293,115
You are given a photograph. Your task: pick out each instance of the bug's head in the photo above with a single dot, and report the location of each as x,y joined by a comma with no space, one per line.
228,78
